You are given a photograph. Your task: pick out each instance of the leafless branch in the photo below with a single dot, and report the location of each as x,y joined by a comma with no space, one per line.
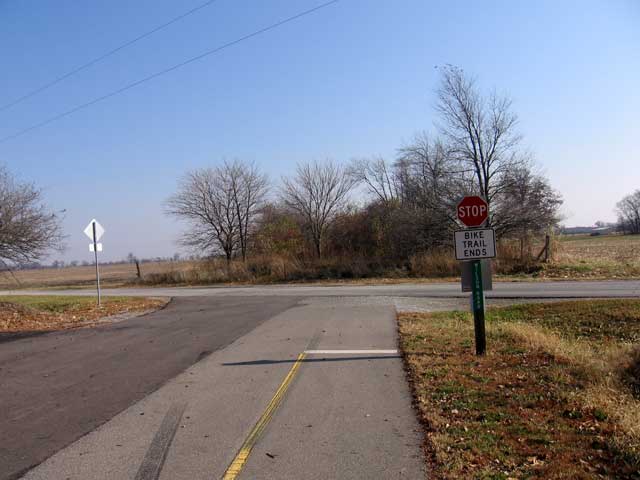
28,228
317,193
480,131
629,213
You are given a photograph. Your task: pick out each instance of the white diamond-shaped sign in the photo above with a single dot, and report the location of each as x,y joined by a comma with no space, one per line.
89,230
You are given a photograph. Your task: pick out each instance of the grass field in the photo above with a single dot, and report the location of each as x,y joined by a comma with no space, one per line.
111,275
557,396
606,256
51,312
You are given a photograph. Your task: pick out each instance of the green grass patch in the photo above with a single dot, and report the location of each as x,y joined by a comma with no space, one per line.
30,313
592,320
549,400
596,321
60,303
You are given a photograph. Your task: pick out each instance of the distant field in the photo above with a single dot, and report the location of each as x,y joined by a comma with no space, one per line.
111,275
606,256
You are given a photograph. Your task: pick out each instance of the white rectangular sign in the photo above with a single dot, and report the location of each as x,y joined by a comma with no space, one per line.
99,245
475,243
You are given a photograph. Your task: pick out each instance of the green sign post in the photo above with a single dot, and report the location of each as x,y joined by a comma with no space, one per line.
477,298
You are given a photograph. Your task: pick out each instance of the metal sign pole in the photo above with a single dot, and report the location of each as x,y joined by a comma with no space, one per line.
477,300
95,252
475,244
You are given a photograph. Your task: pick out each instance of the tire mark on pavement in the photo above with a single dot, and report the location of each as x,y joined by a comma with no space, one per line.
154,459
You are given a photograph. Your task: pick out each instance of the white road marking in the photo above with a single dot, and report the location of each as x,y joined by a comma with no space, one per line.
351,352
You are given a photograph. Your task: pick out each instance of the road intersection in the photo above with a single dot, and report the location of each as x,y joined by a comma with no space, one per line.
246,382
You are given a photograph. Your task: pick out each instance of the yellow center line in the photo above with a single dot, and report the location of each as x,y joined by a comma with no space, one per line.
243,454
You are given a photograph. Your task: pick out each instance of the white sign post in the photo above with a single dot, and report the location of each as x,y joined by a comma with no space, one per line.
475,244
94,231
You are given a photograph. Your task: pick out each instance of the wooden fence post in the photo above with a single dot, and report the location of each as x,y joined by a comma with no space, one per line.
545,249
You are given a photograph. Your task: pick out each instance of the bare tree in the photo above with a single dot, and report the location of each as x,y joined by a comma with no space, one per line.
380,179
249,188
28,228
317,193
527,205
431,177
629,213
480,131
205,199
416,196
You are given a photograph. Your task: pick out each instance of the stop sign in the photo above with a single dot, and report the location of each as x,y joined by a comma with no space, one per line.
472,211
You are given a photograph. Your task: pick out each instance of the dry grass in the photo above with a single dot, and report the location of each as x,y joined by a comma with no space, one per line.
576,257
436,265
19,314
439,263
111,275
271,269
606,367
605,256
600,340
556,396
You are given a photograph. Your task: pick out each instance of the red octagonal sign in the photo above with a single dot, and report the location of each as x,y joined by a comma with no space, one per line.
472,211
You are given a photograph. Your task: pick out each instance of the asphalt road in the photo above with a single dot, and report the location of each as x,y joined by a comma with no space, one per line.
345,414
179,394
54,388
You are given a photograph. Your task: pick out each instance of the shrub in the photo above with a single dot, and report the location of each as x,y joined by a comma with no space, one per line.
436,263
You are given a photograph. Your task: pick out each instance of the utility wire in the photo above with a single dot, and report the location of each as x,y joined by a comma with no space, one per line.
103,56
166,70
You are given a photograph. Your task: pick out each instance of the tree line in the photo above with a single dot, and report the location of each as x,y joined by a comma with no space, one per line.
628,210
410,200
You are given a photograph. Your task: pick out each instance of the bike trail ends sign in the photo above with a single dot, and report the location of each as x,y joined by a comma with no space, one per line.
475,244
473,211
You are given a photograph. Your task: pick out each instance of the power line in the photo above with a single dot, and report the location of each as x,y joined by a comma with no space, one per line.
92,62
167,70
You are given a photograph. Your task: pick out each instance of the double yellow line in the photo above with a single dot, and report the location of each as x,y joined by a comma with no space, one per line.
242,456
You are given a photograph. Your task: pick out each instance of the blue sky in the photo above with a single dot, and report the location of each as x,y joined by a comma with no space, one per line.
355,79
